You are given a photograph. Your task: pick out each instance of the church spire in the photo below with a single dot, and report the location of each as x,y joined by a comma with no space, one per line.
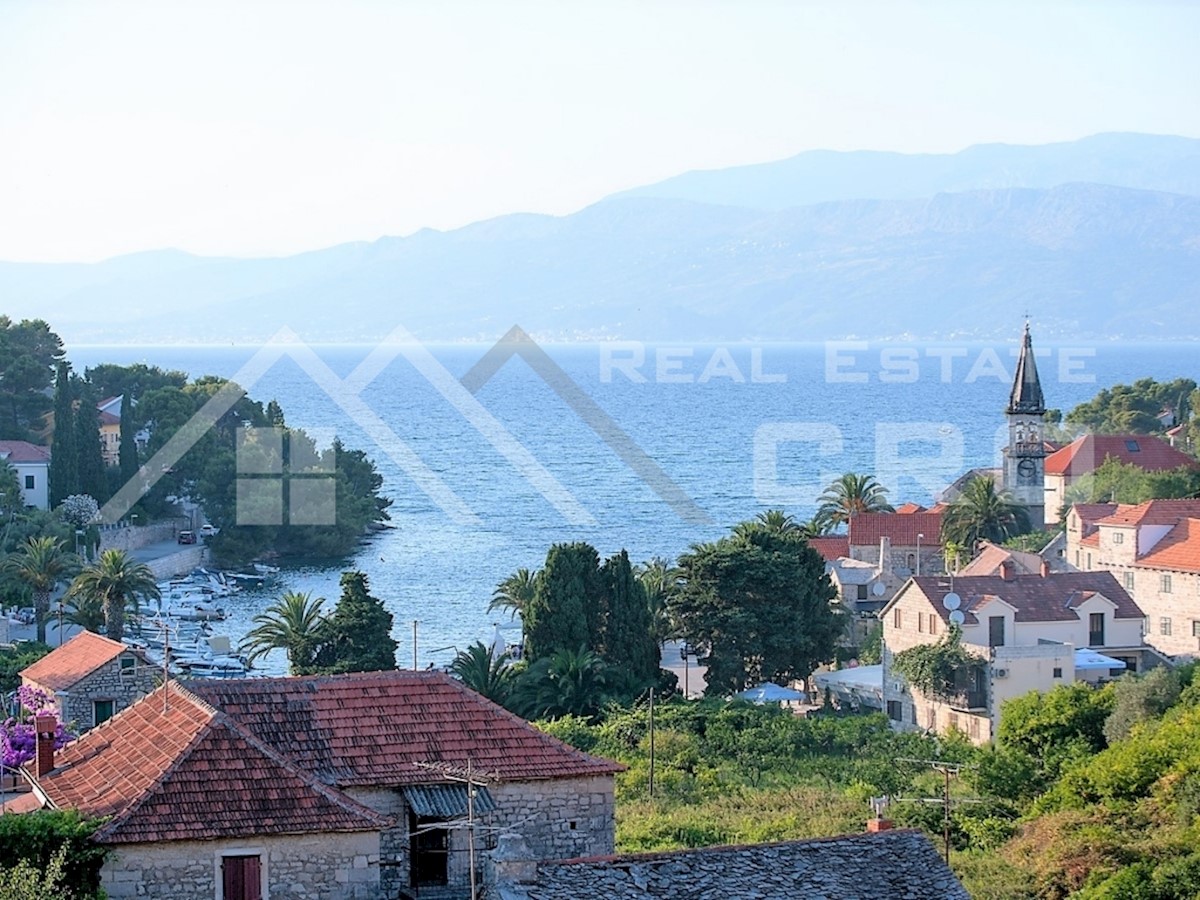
1026,394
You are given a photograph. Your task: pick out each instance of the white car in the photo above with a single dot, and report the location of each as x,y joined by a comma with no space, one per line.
208,530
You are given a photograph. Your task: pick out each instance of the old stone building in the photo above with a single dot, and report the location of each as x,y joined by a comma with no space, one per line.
93,677
351,787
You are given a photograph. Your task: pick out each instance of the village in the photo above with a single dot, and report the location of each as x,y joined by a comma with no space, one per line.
390,783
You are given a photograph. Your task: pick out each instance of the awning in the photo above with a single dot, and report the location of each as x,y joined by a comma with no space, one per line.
769,693
446,801
1089,659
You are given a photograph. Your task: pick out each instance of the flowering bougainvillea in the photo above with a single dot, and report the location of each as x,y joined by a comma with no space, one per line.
18,735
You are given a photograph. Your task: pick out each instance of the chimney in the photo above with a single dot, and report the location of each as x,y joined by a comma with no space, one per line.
45,725
876,825
1008,571
885,560
879,822
1045,567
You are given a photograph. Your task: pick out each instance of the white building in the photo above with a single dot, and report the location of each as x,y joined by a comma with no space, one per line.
1030,632
32,465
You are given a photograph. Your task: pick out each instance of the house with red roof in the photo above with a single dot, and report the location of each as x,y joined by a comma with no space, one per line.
901,544
31,464
1026,632
372,785
1085,455
1153,548
93,678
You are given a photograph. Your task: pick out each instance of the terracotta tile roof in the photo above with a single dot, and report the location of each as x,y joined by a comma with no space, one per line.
905,509
867,528
1089,512
989,559
900,863
23,452
76,659
1086,454
1035,598
831,547
1091,539
188,772
1152,512
371,729
1178,551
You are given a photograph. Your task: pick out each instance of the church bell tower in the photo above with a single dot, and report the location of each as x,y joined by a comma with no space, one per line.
1025,455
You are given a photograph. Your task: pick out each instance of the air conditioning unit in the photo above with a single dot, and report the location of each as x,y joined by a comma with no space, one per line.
1000,673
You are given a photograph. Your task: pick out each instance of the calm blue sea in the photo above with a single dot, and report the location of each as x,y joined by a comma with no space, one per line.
735,429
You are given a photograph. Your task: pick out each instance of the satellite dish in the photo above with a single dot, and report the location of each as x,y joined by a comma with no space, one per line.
957,617
952,601
877,589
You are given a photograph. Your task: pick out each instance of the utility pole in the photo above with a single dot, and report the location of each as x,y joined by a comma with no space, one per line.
471,826
473,781
948,770
651,742
414,645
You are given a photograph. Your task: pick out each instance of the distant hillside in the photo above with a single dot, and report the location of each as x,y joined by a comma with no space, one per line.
1088,260
1144,161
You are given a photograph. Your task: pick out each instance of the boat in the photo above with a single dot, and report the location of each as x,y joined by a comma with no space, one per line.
264,569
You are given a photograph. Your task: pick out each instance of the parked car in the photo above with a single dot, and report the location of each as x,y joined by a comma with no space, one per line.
208,530
187,537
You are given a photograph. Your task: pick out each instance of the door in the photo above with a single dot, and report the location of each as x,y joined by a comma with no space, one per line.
241,877
430,845
996,631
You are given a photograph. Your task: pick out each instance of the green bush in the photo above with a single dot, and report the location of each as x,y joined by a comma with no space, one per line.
37,838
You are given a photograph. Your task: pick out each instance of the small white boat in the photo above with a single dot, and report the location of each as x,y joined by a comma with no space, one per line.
264,569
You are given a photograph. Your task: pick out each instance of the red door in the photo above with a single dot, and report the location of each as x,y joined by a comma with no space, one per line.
242,877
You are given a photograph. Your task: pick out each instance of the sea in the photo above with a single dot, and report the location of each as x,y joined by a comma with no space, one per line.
489,458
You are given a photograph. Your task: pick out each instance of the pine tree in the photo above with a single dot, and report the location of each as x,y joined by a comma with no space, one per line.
64,462
358,635
127,455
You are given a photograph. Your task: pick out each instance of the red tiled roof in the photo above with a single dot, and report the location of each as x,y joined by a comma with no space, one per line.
1178,551
1152,512
989,559
1086,454
831,547
1036,598
1091,539
371,729
867,528
905,509
1089,512
23,452
76,659
188,772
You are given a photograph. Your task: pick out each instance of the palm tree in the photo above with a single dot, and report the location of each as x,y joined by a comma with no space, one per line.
42,563
981,512
294,624
117,581
660,580
86,612
569,683
514,593
484,671
775,521
848,496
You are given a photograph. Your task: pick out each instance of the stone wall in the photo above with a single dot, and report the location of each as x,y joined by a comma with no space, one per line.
124,686
181,562
331,866
134,538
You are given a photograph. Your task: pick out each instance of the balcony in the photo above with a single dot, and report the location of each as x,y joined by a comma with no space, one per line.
968,701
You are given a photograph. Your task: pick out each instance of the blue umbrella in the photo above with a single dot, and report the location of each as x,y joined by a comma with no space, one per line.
769,693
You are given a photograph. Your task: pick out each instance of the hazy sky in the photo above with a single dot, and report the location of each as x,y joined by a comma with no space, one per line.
254,128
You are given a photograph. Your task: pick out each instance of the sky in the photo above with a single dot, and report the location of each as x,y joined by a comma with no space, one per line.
270,128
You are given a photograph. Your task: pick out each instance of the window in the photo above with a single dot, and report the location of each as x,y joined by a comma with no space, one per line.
912,561
102,711
897,619
1096,630
1164,625
1118,537
995,631
1196,628
30,482
895,710
1058,672
128,663
1132,447
1128,577
862,592
430,862
241,877
1164,583
1089,559
933,623
974,727
953,721
921,622
912,714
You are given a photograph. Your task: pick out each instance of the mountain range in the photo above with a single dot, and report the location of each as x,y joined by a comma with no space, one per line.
1097,238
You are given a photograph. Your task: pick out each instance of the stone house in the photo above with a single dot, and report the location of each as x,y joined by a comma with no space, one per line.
93,677
337,787
880,865
1029,632
31,463
1085,455
1153,549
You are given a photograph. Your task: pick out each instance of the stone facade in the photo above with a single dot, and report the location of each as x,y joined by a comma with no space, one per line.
335,866
559,819
123,681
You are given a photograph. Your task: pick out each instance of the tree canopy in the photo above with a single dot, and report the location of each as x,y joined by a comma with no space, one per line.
981,512
29,355
1135,408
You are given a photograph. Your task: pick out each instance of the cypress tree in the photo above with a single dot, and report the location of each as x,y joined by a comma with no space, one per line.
91,477
358,635
64,461
629,643
127,454
566,612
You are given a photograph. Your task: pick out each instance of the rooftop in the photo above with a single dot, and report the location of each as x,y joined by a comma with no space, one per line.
991,556
73,661
831,547
890,864
901,529
23,452
1178,551
1152,512
1086,454
411,717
